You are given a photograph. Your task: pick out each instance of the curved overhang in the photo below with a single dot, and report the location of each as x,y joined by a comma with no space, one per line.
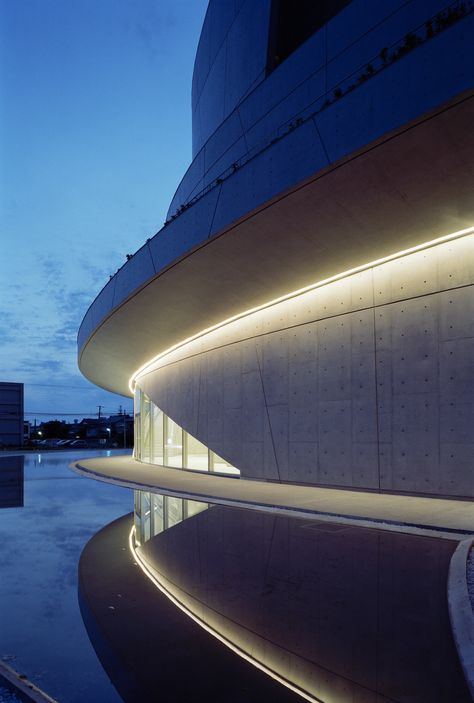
410,187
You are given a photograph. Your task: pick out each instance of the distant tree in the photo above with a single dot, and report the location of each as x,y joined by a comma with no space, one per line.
54,429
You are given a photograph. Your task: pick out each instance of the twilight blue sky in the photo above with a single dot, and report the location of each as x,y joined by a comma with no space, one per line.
95,135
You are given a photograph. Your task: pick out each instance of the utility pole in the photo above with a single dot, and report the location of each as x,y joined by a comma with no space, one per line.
100,408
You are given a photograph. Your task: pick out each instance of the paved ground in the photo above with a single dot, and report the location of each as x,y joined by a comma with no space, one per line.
150,649
348,614
396,512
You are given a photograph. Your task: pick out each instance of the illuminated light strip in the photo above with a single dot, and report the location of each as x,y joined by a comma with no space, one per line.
272,674
294,294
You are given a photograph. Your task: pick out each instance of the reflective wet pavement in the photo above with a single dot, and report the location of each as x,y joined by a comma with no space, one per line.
344,613
41,630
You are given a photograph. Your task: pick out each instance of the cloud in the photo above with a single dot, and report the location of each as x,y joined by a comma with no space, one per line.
6,334
52,267
153,26
40,365
96,273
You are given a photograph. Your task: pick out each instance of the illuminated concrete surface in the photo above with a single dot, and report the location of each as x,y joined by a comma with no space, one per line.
365,382
278,248
356,186
306,315
404,512
269,123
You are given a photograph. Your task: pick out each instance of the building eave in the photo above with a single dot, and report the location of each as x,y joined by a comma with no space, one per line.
413,185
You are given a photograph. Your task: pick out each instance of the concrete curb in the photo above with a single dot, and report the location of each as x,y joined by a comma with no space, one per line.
348,518
22,687
460,610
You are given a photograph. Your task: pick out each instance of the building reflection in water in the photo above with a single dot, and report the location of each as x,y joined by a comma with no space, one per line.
341,613
11,482
155,513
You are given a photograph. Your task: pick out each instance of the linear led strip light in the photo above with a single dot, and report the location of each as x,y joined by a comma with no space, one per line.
295,293
237,650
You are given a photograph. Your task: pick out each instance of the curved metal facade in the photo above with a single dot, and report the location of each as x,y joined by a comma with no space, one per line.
291,125
355,147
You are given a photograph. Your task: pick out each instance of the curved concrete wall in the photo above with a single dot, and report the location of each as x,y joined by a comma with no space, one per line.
366,382
356,146
410,187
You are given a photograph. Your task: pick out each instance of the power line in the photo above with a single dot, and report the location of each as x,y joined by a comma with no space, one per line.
35,413
60,385
61,414
71,412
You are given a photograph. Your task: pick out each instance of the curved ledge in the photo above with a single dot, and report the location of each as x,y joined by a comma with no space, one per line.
21,687
448,518
377,201
460,610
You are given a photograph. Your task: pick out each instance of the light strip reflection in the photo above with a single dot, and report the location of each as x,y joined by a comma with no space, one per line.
294,294
273,674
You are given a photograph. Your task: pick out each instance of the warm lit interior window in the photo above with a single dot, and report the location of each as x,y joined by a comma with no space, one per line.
161,441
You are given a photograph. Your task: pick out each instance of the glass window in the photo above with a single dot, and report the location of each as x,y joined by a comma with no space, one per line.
196,455
137,444
174,510
137,509
161,441
157,514
193,507
136,401
146,433
136,502
292,23
217,463
145,516
158,435
173,444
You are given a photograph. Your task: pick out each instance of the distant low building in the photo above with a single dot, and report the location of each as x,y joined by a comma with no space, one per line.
121,429
11,414
11,482
91,428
